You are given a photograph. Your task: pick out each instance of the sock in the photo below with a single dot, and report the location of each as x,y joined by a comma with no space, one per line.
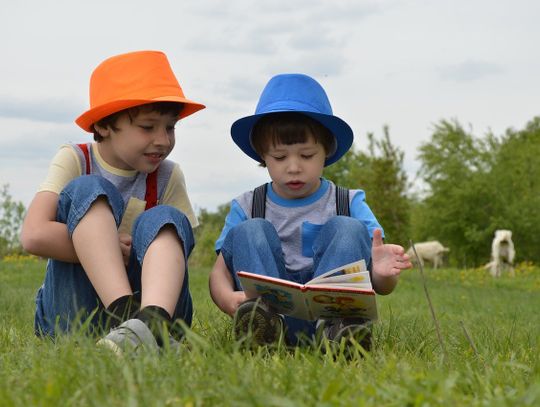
158,320
120,310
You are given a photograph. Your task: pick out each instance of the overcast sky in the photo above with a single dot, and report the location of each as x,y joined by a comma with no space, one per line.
405,64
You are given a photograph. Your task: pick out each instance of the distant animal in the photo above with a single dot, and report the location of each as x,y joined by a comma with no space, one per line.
502,253
432,252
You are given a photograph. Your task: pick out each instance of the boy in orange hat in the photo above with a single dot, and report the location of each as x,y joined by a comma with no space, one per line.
113,217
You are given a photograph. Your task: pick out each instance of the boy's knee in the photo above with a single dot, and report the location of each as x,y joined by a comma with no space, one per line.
88,188
161,215
255,229
81,193
91,183
256,225
346,225
256,232
261,235
163,212
150,222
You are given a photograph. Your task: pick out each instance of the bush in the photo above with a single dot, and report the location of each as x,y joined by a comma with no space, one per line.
11,218
206,235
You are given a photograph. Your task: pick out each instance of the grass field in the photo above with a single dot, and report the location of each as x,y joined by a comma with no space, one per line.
490,355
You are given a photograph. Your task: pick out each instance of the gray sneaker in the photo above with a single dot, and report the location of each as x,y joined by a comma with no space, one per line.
172,345
130,336
254,320
349,330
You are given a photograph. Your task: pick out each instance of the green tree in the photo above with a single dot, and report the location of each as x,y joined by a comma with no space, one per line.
379,172
206,235
453,166
456,210
476,186
11,218
516,188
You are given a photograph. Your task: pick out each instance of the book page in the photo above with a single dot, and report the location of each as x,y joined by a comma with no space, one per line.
359,280
355,267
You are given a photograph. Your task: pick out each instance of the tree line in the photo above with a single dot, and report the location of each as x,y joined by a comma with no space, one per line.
471,186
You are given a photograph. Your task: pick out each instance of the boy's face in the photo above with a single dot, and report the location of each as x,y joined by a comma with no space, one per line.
295,169
140,143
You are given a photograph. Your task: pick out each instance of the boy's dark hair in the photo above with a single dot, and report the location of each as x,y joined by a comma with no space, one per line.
172,108
289,128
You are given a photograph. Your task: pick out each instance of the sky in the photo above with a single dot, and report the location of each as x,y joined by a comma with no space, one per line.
402,64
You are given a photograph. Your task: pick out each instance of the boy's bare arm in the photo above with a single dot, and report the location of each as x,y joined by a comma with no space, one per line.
222,288
41,235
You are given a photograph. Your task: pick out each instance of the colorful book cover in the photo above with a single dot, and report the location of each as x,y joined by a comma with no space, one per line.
343,292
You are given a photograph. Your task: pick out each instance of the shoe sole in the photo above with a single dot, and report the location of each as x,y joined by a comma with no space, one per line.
108,344
265,327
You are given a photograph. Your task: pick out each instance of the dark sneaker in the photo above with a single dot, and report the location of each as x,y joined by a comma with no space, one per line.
254,320
349,330
130,336
120,310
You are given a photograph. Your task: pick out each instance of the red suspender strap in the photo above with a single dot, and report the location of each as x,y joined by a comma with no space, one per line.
84,149
151,190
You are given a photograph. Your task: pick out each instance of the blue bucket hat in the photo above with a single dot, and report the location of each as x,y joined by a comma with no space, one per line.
294,93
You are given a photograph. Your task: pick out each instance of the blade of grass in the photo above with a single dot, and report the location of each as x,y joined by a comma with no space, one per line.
432,309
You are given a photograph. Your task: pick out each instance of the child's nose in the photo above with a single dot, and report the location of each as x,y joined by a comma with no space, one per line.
294,165
163,138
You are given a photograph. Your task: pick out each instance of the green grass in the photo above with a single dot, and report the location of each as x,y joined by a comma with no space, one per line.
407,366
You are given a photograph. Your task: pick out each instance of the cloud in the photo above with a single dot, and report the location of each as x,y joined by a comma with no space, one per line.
318,12
317,64
33,142
470,70
243,89
347,11
46,110
273,28
309,39
232,40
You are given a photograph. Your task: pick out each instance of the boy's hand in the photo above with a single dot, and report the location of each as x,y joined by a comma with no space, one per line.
388,259
125,246
234,301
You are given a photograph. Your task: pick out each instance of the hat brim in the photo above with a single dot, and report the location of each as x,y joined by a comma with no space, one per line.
241,133
88,118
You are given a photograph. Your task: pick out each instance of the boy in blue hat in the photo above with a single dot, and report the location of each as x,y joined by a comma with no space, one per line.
292,228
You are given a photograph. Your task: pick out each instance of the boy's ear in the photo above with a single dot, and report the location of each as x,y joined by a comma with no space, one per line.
103,131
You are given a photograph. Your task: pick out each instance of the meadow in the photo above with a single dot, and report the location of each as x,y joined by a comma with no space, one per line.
488,354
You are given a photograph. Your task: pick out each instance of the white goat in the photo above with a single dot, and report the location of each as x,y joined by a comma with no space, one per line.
429,251
502,253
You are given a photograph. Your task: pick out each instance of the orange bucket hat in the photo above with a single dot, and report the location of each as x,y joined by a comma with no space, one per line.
133,79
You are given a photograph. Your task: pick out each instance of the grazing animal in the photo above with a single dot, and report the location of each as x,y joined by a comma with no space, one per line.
429,251
502,253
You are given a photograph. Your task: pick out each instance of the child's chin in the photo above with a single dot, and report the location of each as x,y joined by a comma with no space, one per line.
298,195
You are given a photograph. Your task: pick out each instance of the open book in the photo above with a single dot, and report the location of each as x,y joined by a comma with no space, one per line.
342,292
